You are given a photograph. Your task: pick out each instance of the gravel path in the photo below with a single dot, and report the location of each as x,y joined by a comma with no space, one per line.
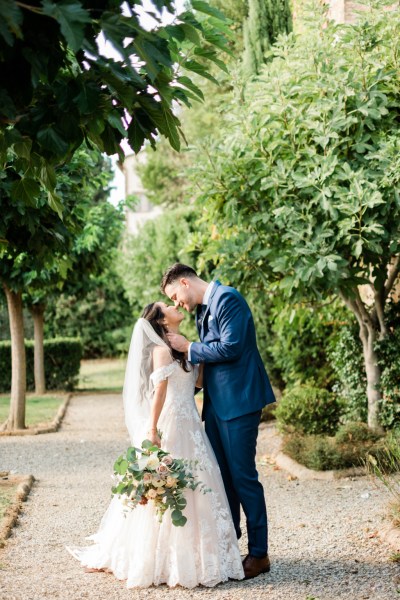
322,533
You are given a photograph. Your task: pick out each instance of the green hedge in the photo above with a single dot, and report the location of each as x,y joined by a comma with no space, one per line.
306,409
62,358
350,447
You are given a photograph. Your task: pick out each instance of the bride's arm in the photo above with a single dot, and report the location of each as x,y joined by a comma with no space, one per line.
156,408
160,357
199,381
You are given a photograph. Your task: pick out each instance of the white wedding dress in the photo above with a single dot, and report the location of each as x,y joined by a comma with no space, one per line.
136,547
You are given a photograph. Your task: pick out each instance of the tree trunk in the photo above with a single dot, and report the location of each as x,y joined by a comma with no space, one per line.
37,312
368,335
373,373
16,416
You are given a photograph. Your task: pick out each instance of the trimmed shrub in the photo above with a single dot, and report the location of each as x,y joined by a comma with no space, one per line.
323,453
308,410
355,432
62,358
314,452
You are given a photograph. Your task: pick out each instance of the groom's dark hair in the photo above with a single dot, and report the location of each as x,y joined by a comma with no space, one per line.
175,272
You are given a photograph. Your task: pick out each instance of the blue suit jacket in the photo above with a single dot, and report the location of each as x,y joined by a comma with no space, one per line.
235,380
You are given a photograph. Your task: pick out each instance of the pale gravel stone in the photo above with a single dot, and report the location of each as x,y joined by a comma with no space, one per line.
319,531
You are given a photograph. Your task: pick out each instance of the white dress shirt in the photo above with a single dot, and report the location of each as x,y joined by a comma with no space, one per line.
205,300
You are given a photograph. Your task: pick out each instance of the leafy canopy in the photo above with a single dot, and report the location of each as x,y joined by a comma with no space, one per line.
58,89
304,185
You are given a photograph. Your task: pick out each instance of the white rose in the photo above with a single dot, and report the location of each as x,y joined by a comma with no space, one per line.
151,494
152,462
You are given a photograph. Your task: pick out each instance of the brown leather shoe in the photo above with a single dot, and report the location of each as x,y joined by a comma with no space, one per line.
254,566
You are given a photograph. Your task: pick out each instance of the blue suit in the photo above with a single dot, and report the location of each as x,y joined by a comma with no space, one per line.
236,388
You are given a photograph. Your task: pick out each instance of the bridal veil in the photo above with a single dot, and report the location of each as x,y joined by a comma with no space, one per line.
138,385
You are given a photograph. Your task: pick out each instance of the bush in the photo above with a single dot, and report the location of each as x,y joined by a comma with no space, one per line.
348,363
299,340
62,358
355,432
97,316
308,410
388,351
323,453
351,382
315,452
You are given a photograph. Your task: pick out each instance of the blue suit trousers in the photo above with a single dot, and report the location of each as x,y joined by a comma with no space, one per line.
234,443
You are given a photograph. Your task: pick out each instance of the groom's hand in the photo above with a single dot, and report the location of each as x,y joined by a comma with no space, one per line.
178,342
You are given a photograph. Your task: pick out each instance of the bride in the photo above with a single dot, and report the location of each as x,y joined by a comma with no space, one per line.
159,395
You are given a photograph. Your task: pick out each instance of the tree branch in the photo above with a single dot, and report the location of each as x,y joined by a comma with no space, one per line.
393,273
379,311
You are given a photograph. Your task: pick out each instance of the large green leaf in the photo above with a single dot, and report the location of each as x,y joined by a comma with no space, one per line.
25,190
10,21
50,139
196,67
205,8
188,83
72,18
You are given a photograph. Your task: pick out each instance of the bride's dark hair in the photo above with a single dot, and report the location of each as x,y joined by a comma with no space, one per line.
154,315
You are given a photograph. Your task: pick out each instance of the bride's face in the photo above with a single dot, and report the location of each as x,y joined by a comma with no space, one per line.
172,315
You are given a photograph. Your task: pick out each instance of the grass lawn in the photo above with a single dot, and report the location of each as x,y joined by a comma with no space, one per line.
39,409
7,494
102,375
107,375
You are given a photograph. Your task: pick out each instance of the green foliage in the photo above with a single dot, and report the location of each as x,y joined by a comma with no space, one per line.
350,381
355,432
323,453
61,364
308,410
387,461
299,340
42,246
48,108
388,350
314,452
304,186
97,311
265,21
348,364
162,175
145,256
350,446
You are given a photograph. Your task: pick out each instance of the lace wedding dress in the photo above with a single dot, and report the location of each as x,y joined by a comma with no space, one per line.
136,547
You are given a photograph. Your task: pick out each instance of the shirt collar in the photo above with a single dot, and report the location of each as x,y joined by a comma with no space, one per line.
208,291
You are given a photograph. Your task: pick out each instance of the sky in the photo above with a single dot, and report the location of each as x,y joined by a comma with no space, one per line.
118,184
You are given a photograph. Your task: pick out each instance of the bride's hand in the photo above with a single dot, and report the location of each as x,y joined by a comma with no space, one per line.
154,438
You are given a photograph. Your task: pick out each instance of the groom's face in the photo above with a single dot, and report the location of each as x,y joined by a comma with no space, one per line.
181,293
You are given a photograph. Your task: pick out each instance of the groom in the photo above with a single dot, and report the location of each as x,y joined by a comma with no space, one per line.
236,388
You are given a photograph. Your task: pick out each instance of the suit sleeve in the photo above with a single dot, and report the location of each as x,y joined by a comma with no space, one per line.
232,317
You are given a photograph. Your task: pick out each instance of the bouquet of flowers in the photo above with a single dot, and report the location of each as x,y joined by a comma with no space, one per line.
149,473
